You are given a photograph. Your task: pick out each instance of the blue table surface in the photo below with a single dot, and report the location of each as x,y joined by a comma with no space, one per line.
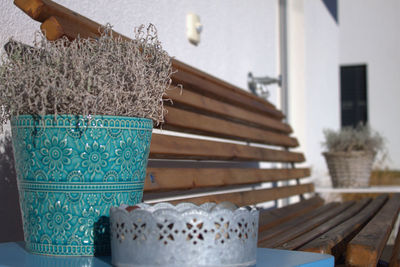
14,254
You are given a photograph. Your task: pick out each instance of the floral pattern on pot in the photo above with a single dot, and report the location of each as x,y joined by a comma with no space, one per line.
71,171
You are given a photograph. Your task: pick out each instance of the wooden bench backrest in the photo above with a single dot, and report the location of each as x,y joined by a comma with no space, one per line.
230,131
248,130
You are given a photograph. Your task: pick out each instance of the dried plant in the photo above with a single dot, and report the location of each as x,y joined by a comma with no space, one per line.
108,76
360,138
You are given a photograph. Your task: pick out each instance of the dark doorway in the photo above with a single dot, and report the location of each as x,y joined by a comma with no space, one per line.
353,87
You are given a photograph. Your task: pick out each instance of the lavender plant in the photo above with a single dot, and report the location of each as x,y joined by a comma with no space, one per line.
108,76
360,138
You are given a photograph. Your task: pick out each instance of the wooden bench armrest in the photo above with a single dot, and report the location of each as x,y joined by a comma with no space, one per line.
395,258
365,249
335,240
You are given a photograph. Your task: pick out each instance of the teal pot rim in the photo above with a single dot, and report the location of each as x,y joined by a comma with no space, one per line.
77,121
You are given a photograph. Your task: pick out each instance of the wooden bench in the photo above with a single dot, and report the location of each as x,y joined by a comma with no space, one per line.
215,136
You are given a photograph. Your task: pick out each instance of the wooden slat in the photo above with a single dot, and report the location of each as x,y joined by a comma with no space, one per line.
281,228
277,235
318,231
181,120
273,217
199,81
365,249
166,146
54,28
342,234
252,197
188,178
301,228
211,106
233,89
395,258
41,10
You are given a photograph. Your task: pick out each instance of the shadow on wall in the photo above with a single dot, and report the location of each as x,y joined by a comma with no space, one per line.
10,214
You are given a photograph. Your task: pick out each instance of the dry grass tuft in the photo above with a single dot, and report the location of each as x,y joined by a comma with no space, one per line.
108,76
360,138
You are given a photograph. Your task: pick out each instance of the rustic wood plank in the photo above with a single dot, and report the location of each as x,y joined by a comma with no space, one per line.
31,7
281,228
301,228
209,106
336,239
251,197
55,28
273,217
318,231
181,120
188,178
395,258
365,249
233,89
166,146
198,81
41,10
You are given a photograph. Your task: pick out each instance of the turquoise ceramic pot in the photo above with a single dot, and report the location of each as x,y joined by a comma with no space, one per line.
70,172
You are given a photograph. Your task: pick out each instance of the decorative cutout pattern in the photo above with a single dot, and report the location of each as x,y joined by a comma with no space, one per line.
70,172
183,234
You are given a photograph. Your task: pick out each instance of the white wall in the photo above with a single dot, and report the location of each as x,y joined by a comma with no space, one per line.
16,24
238,36
369,34
313,79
